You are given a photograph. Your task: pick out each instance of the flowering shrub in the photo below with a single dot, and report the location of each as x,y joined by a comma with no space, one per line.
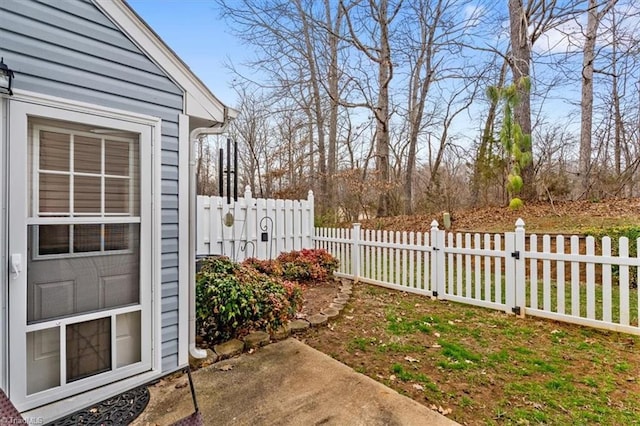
269,267
307,265
231,299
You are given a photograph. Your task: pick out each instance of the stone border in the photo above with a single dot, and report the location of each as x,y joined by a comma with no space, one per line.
256,339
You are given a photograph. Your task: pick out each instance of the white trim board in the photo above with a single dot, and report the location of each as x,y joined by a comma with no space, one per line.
199,101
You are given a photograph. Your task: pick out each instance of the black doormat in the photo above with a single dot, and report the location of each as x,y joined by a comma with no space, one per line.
120,410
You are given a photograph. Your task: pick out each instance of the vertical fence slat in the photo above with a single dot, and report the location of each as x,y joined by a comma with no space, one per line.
575,277
623,247
459,265
498,265
477,262
546,273
411,255
467,265
591,280
487,268
450,265
606,281
533,272
560,276
403,271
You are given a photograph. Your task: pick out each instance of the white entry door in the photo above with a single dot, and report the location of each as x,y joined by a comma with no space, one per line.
79,293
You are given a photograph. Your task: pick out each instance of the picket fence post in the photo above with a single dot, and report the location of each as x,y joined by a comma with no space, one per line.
311,224
520,273
355,251
437,261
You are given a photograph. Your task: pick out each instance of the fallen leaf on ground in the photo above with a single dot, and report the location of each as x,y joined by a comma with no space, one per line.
436,334
225,367
408,358
392,377
417,386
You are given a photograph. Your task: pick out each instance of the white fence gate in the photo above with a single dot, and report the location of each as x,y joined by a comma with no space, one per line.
253,227
571,279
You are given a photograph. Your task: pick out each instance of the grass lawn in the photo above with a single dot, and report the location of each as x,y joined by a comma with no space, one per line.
486,367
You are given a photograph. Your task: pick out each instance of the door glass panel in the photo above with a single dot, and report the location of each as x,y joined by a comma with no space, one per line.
87,156
116,195
54,151
87,194
53,239
54,193
117,158
87,238
128,339
86,281
116,235
43,360
88,348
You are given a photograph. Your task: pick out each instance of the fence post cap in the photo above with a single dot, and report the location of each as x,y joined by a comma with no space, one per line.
519,223
434,224
356,225
310,194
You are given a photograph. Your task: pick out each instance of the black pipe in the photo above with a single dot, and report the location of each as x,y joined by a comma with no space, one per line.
220,172
228,171
235,170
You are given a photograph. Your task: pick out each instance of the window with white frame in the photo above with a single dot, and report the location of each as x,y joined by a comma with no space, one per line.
85,191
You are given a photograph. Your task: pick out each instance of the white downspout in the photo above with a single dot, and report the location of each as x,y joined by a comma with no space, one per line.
193,139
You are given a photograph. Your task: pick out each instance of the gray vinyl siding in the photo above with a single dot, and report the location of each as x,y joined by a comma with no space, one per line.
69,49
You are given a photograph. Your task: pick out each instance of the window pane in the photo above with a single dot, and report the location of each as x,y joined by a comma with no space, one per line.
63,286
87,156
117,158
54,151
43,360
88,348
54,193
86,238
86,197
128,339
116,236
53,239
116,197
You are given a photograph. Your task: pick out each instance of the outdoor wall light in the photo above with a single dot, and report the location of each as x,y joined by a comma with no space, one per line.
6,78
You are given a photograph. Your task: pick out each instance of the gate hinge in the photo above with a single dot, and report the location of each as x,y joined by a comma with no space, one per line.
516,310
434,294
516,255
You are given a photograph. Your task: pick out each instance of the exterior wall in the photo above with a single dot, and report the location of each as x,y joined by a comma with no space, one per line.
69,49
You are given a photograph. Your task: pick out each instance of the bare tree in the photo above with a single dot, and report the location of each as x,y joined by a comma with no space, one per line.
594,16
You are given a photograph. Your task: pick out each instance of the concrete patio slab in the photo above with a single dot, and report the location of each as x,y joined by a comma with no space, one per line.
285,383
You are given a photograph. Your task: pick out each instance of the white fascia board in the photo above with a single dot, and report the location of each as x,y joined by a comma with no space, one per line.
199,101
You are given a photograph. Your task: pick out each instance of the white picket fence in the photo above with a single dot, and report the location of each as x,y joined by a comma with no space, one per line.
253,227
513,272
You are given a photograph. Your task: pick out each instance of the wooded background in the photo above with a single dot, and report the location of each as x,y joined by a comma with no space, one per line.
381,107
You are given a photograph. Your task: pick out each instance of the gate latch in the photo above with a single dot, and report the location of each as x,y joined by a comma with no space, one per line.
516,255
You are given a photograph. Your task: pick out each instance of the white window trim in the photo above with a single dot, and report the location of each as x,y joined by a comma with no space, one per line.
58,108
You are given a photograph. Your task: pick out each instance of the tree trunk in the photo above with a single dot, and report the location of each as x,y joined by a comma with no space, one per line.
382,113
520,62
586,119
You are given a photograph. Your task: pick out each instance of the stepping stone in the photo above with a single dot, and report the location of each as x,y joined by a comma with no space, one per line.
330,312
347,284
341,298
346,292
228,349
317,320
255,339
281,332
336,305
298,326
196,363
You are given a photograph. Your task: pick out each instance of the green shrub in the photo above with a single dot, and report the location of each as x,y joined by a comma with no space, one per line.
307,265
232,299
